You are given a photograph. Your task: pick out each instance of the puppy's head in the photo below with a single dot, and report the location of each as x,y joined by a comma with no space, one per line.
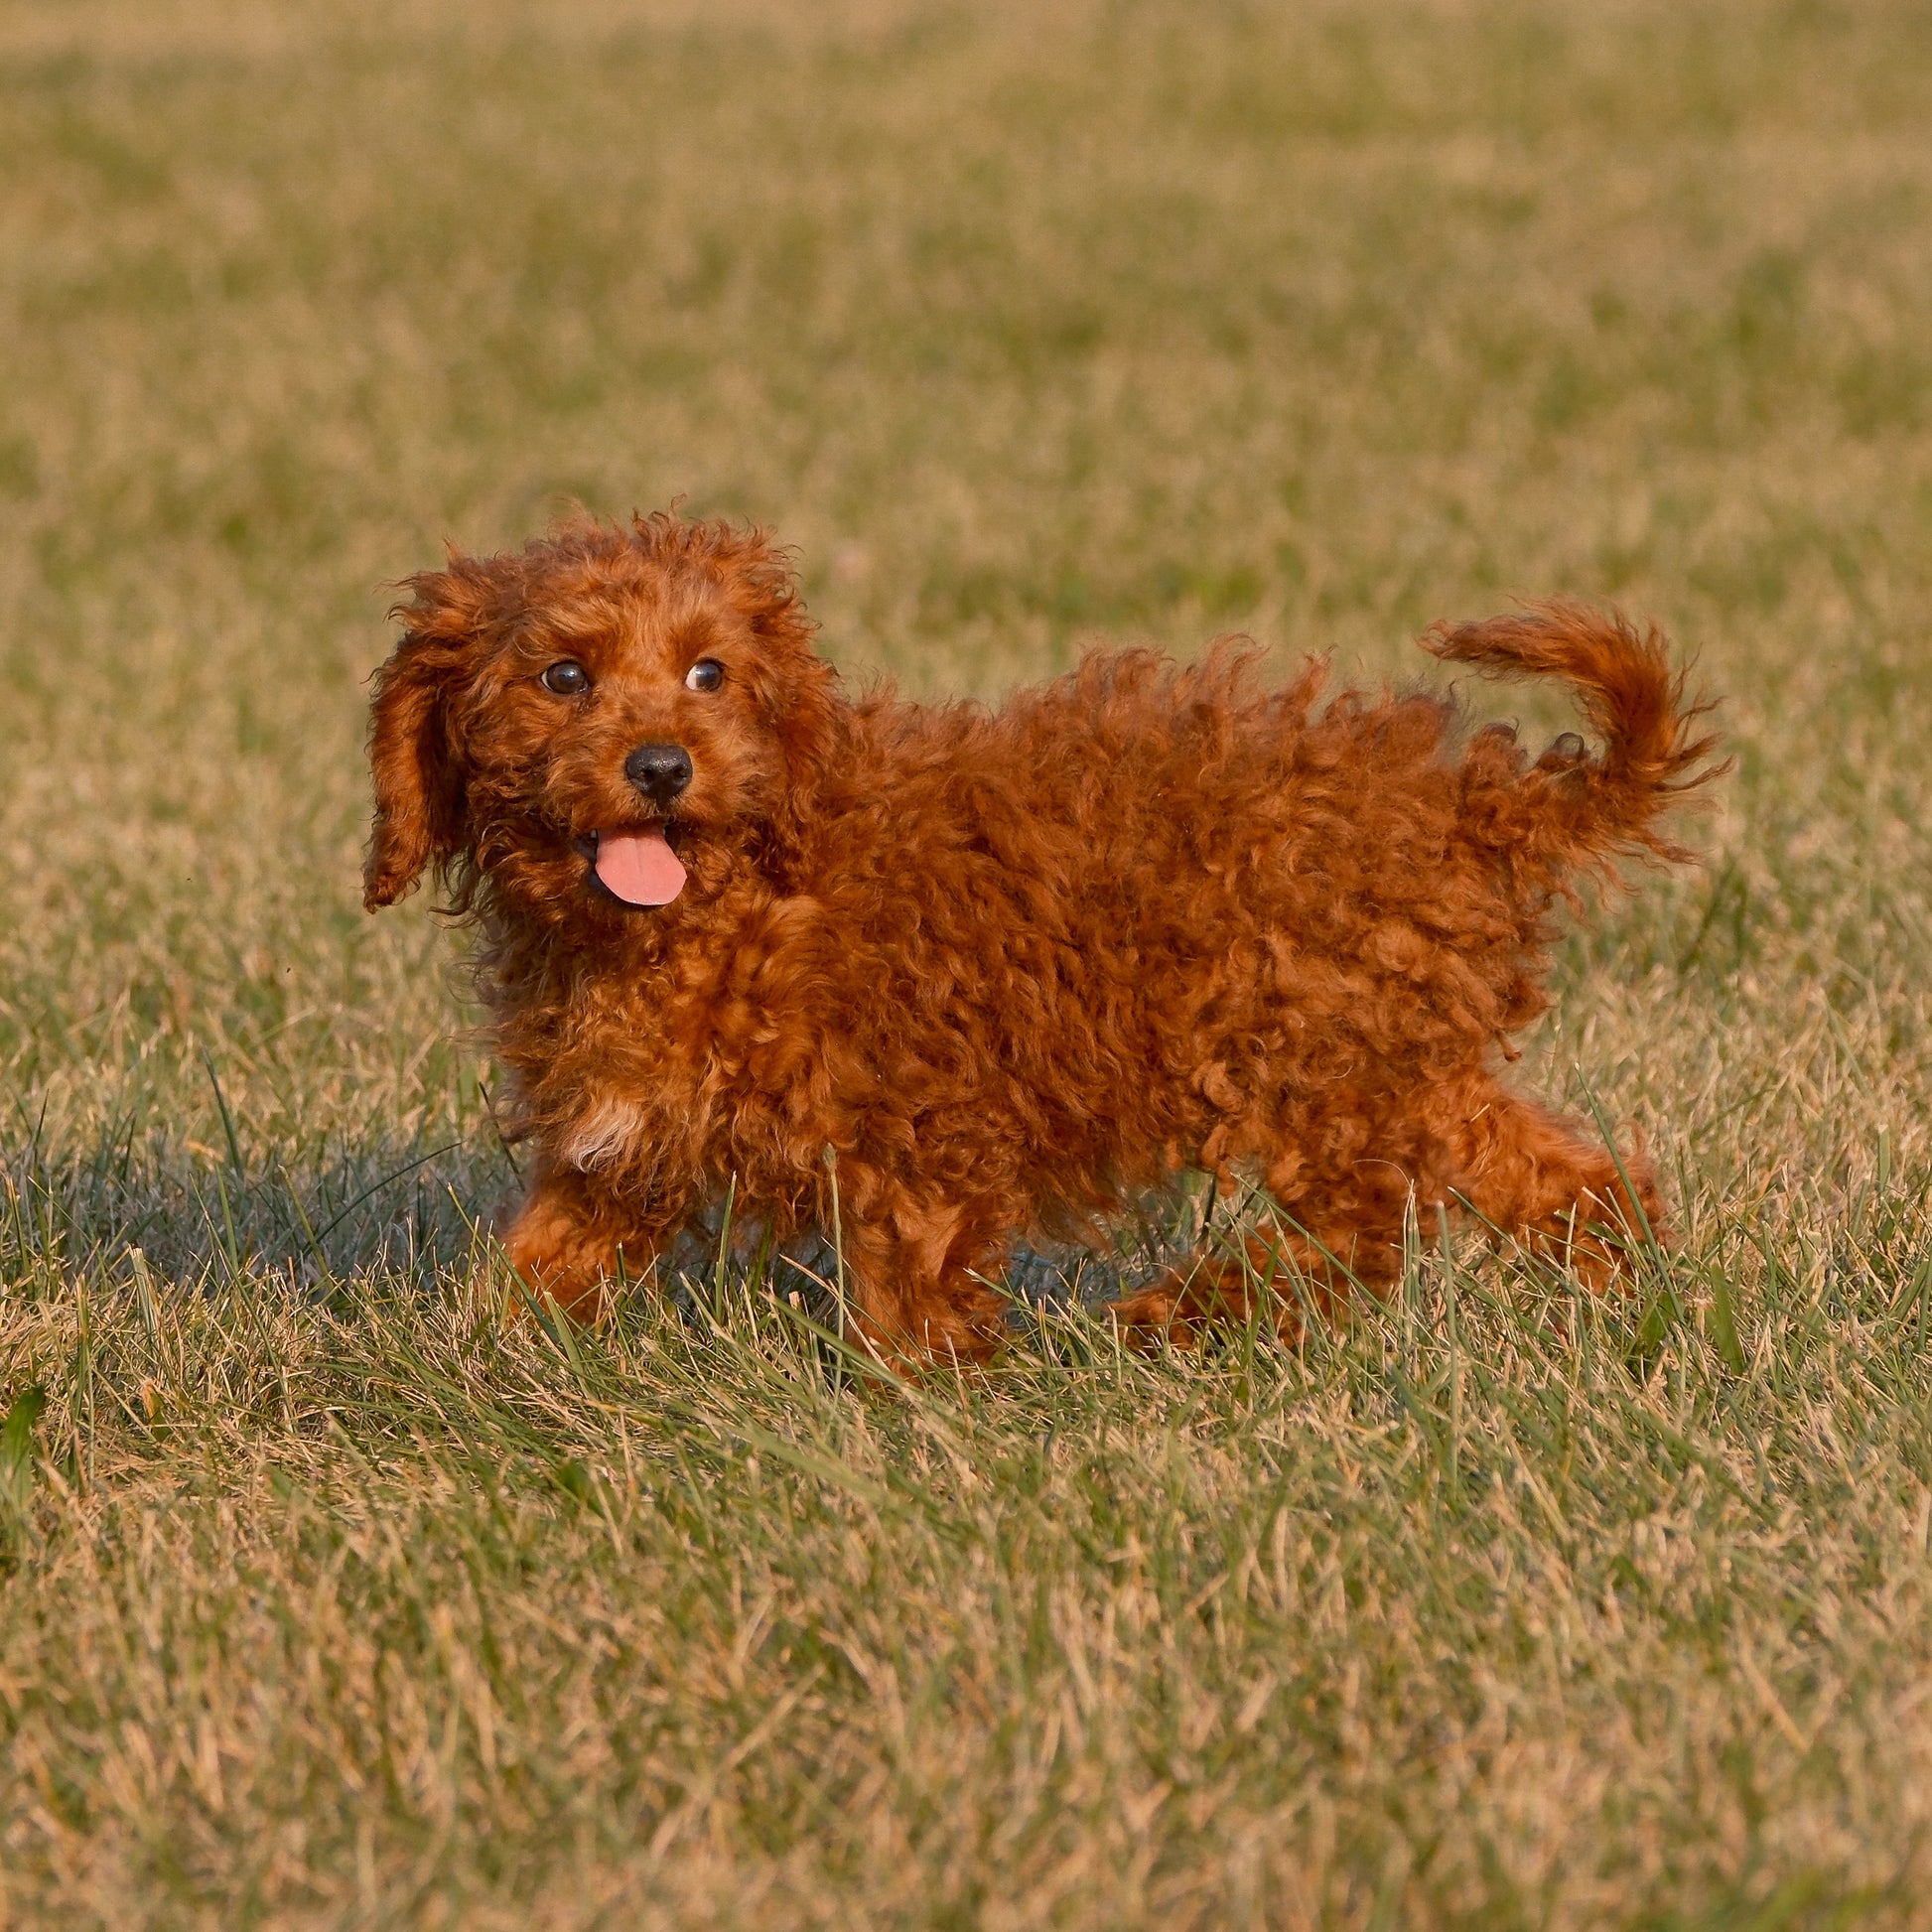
599,718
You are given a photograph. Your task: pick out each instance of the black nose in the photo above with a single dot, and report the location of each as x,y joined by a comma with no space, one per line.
659,771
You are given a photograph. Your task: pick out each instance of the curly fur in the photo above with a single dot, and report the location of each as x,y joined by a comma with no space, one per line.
1002,969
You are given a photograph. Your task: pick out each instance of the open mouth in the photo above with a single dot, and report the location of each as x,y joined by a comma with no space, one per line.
636,866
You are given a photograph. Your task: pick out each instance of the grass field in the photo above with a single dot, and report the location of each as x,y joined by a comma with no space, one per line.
325,1602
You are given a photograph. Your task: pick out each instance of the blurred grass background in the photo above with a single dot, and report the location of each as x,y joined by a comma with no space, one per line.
323,1603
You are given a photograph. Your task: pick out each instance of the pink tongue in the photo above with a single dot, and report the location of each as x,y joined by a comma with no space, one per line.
640,867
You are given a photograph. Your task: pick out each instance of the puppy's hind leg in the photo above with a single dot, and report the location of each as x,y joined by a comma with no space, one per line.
1208,1290
1338,1229
1545,1182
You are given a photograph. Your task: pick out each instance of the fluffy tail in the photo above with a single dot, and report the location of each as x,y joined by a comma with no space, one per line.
1569,805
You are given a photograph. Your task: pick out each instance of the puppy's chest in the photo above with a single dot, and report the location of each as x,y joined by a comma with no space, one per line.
670,1075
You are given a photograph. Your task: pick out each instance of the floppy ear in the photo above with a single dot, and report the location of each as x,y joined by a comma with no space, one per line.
414,758
797,688
807,724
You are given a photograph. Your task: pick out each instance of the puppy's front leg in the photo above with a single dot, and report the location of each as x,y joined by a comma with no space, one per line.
917,1266
573,1239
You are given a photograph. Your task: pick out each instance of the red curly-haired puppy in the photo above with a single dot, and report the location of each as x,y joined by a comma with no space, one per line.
997,971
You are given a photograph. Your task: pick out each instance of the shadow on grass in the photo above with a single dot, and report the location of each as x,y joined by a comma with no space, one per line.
404,1210
413,1213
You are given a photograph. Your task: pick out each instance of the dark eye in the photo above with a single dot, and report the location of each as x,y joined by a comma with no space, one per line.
707,674
567,679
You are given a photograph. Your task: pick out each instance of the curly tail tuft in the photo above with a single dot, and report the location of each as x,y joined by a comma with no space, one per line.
1607,807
